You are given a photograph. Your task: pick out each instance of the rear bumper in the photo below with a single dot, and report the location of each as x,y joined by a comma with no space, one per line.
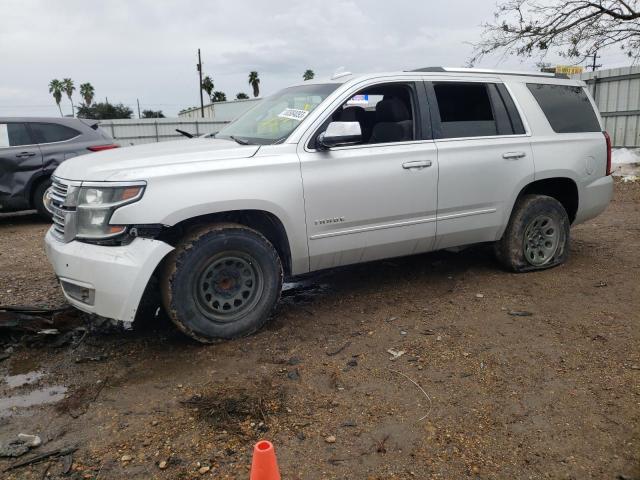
107,281
594,199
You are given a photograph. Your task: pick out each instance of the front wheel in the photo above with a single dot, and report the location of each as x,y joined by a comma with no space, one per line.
537,236
221,282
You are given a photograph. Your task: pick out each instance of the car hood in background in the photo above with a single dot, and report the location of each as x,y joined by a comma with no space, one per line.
114,163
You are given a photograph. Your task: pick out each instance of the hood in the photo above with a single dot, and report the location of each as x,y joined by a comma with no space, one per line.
113,164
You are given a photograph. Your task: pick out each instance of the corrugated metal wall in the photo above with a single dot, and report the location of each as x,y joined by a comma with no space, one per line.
617,93
136,131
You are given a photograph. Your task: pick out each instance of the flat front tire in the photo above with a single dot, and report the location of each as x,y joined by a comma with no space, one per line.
537,236
221,282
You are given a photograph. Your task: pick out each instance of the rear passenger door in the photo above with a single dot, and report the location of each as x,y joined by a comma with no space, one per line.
20,161
56,143
484,157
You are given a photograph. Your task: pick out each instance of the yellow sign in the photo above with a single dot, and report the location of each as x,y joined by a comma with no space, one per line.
569,69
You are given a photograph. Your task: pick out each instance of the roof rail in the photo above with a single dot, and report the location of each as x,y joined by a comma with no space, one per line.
490,71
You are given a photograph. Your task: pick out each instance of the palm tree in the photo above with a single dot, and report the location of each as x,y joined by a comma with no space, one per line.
86,92
308,75
241,96
218,97
254,81
69,87
207,86
55,88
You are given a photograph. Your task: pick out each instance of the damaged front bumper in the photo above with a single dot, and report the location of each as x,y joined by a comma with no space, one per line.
105,280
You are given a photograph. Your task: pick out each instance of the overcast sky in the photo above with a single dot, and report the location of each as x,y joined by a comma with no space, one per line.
147,49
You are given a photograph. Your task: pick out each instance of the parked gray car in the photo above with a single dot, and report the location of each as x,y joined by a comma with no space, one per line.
31,148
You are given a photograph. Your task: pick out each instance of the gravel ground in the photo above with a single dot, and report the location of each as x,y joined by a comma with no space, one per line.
504,376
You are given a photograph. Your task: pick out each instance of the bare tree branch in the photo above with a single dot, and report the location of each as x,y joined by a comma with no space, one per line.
575,29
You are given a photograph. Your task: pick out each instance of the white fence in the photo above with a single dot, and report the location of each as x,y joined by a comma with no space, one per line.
148,130
617,94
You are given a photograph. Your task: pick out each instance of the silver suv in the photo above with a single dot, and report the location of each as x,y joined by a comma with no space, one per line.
330,173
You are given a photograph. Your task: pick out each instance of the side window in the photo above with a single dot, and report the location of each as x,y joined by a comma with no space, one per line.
567,108
386,113
465,110
52,132
14,135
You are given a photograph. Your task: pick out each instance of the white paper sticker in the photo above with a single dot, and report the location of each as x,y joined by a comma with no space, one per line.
294,114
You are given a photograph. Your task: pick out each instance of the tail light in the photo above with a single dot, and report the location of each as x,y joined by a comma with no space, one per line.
608,140
99,148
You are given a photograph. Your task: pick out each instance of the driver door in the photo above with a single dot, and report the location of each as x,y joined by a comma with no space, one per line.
372,200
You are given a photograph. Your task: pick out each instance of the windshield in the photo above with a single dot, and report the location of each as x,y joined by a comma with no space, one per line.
275,117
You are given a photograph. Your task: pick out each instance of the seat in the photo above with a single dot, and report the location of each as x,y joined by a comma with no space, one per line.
393,122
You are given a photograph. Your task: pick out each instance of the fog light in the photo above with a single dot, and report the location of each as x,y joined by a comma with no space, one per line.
85,295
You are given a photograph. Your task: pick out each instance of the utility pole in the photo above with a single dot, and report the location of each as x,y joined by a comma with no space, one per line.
199,67
138,101
594,65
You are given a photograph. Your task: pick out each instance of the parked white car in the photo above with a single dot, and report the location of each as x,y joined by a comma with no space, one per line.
330,173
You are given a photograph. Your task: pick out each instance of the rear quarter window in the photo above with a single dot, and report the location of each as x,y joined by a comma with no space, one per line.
52,132
567,108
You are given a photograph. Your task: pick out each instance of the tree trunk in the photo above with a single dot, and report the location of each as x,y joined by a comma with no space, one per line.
60,108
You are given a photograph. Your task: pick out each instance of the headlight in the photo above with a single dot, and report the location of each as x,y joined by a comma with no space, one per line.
96,204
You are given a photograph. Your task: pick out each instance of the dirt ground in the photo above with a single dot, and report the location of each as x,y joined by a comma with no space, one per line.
504,376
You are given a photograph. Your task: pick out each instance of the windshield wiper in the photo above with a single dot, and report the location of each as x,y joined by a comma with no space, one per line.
239,140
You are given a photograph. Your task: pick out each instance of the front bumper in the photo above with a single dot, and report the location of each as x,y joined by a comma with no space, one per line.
105,280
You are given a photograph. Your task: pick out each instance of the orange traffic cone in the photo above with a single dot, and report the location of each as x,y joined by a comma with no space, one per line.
264,465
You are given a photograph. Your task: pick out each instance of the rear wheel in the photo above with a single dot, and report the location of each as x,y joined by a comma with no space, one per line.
221,282
38,200
537,236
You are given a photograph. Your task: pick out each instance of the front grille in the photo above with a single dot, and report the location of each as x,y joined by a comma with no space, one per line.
57,198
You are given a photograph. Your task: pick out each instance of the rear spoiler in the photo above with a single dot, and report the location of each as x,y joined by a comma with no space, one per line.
90,123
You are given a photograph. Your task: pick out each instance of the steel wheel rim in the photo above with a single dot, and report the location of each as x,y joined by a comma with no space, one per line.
228,286
541,240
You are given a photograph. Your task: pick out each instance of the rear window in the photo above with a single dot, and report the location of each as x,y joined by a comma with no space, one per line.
14,135
52,132
567,108
475,110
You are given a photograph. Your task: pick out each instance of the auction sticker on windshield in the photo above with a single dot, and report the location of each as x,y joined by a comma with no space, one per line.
294,114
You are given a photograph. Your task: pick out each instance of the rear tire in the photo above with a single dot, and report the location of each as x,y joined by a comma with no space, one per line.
38,199
221,282
537,236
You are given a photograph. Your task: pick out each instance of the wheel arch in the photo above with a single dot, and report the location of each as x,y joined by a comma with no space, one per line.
34,182
266,223
563,189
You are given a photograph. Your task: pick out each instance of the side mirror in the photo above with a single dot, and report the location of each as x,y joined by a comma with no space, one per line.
338,134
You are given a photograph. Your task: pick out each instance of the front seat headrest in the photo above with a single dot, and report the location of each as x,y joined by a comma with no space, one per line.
352,114
392,110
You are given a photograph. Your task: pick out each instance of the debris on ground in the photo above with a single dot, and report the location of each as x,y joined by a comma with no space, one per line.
395,354
519,313
60,452
234,409
19,445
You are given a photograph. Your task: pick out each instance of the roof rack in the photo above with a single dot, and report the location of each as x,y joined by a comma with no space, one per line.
490,71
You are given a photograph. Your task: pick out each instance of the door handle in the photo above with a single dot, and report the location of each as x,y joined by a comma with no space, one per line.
416,164
25,154
513,155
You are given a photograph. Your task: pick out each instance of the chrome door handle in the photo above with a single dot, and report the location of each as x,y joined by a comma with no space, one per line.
416,164
513,155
